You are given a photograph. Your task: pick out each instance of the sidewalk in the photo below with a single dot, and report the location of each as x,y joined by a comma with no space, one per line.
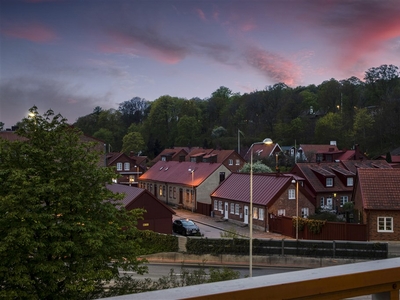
226,225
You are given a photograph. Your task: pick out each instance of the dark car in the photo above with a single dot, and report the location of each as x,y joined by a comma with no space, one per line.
185,227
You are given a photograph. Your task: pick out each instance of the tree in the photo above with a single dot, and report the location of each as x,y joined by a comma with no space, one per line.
1,126
188,131
60,238
134,142
258,167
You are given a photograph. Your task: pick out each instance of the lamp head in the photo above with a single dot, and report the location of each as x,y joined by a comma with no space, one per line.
267,141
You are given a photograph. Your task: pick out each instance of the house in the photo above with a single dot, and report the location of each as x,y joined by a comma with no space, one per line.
377,201
392,157
273,195
331,184
328,153
157,216
261,151
127,167
185,184
172,154
229,158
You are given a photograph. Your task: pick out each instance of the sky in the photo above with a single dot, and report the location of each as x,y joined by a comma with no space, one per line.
71,56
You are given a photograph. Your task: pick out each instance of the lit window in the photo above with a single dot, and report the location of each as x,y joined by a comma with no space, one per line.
160,190
238,162
127,166
232,208
292,194
255,213
329,182
281,212
261,212
385,224
119,166
349,181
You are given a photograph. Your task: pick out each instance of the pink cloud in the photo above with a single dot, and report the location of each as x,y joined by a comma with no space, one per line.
273,66
249,26
36,32
201,14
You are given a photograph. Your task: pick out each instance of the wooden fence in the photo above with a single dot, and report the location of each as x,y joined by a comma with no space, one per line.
330,231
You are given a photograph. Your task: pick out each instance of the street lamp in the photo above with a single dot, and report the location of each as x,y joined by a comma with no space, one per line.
296,195
266,141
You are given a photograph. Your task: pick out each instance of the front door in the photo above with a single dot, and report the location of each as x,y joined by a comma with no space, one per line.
226,210
246,215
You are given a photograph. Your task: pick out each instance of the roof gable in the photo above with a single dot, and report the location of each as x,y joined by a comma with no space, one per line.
266,187
180,172
380,188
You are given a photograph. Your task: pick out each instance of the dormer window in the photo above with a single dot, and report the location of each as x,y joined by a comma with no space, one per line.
231,162
350,181
119,166
127,166
329,182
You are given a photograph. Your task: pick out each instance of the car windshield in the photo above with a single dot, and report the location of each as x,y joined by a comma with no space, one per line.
187,222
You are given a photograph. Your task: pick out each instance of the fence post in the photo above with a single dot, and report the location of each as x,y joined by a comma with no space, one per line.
334,248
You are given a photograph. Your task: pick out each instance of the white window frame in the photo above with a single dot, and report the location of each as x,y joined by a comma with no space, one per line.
119,166
291,194
232,208
350,181
261,214
220,206
305,212
238,162
384,224
237,209
230,162
343,200
329,182
281,212
215,204
127,166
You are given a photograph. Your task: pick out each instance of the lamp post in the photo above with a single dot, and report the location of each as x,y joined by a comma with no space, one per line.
266,141
296,195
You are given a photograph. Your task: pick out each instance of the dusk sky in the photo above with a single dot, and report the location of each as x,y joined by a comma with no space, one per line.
71,56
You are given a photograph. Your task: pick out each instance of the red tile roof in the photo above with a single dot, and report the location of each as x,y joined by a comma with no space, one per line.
178,172
353,165
380,188
266,187
261,151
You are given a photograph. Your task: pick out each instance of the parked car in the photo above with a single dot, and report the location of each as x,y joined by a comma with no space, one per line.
185,227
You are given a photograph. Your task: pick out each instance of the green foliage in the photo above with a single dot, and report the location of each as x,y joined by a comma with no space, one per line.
134,142
59,236
1,126
314,225
230,233
153,242
258,167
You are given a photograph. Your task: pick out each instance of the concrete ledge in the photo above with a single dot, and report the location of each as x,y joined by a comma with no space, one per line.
260,261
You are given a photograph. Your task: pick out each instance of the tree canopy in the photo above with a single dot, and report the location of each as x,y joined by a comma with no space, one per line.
61,235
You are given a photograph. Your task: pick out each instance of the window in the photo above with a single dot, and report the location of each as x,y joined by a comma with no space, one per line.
329,182
164,191
261,212
230,162
160,190
119,166
221,176
385,224
232,208
349,181
304,212
237,208
163,158
193,159
127,166
174,193
292,194
343,200
187,195
321,202
255,213
238,162
281,212
220,206
215,204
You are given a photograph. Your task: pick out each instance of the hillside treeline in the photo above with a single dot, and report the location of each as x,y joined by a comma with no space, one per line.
350,111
